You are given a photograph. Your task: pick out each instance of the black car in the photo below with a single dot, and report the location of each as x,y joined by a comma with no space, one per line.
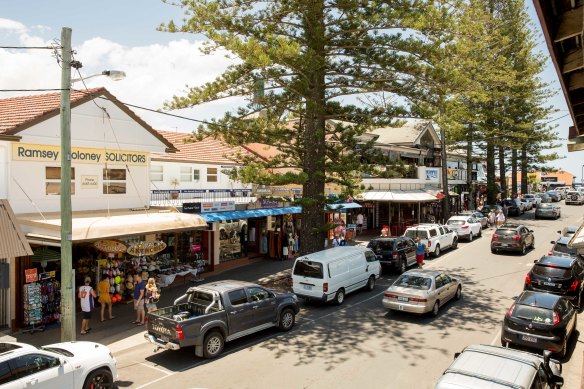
512,237
396,252
514,206
541,321
557,274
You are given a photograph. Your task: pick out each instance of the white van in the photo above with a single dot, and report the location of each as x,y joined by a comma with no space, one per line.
329,275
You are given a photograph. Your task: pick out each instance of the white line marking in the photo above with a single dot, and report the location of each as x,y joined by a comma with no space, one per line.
156,380
156,368
497,338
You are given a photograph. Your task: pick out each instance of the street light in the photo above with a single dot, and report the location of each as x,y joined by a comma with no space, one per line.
115,75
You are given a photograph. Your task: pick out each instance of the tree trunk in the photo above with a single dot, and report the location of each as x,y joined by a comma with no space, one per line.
471,195
491,176
502,169
312,231
444,158
513,172
524,174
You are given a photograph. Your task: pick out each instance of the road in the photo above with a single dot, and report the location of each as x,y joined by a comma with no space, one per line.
359,344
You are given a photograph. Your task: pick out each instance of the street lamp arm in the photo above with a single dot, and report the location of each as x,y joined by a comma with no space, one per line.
115,75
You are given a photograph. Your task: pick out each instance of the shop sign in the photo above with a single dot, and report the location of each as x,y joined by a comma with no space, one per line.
30,275
218,206
264,203
47,275
191,207
89,182
52,153
452,174
146,248
432,174
110,246
196,248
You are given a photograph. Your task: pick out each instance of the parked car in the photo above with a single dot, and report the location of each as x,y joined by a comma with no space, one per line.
532,198
514,207
558,275
477,215
422,291
545,198
395,252
436,237
527,205
482,366
211,314
466,227
329,275
548,210
568,231
560,247
555,196
512,237
485,209
67,365
540,321
574,197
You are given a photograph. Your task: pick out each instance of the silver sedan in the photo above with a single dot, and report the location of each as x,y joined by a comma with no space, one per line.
421,291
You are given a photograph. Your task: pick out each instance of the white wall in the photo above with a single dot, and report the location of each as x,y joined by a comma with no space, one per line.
171,170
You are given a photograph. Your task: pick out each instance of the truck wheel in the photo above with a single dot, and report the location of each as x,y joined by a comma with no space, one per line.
287,319
100,378
213,344
454,244
480,233
470,237
437,251
340,296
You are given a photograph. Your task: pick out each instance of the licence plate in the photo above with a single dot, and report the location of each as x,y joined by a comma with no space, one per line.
307,287
403,299
504,245
164,338
549,283
529,339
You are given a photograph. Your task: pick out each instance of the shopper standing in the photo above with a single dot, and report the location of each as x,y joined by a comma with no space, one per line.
103,288
86,295
420,252
152,295
139,288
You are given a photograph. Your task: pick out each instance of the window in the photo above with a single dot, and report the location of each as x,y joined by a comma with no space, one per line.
414,282
370,257
308,269
258,294
212,174
5,373
439,282
433,232
114,181
196,175
381,245
237,297
401,245
156,173
441,230
53,180
186,174
25,365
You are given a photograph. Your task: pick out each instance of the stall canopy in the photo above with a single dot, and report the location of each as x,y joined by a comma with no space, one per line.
341,206
13,243
399,196
247,214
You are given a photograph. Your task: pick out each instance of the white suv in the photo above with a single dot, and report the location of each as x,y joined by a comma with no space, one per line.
435,236
575,197
68,365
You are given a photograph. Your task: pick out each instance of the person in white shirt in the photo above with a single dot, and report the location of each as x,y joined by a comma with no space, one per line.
86,295
360,222
500,219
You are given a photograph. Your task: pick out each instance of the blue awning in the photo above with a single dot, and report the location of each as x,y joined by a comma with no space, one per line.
247,214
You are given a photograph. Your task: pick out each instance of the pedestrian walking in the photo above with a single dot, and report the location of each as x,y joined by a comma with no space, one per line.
420,252
491,218
336,241
103,290
86,296
152,295
500,219
139,288
360,221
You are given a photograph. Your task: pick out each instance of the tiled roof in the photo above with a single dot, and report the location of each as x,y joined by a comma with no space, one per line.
15,112
408,133
208,150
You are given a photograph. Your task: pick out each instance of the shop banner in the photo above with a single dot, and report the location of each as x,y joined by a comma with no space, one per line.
191,207
52,153
218,206
47,275
432,174
30,275
110,246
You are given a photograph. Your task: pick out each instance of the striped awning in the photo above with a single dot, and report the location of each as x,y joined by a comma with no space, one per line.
13,243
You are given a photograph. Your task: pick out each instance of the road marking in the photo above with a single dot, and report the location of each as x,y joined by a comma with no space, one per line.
497,338
156,368
156,380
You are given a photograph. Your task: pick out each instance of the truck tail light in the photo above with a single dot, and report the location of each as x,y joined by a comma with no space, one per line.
429,243
527,279
395,256
179,333
574,286
325,287
516,237
495,236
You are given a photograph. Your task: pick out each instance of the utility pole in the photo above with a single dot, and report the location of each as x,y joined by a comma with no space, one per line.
67,282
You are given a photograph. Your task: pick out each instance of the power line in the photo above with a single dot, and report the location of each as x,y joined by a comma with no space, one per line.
33,90
28,47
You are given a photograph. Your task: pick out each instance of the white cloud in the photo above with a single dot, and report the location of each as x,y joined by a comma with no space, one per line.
7,24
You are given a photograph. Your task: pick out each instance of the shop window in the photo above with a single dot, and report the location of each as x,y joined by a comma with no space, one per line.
53,180
156,173
186,174
196,175
212,174
114,181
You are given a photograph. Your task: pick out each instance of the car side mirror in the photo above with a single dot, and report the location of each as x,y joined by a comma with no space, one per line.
535,260
456,355
531,231
559,232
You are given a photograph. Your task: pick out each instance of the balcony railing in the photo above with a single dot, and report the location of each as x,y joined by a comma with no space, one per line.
175,197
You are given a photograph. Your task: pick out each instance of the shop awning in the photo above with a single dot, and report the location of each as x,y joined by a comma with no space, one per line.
577,241
13,243
97,225
340,206
399,196
247,214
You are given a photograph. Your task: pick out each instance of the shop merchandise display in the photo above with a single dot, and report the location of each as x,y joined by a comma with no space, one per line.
33,311
51,300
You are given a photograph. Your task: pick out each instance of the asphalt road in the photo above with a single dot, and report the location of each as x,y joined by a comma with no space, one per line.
359,344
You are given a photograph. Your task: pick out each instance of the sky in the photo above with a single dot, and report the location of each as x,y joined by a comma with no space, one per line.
122,35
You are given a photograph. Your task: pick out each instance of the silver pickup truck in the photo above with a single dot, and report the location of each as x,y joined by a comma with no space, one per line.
209,315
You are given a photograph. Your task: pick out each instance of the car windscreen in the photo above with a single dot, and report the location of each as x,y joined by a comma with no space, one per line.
417,233
563,248
306,268
455,222
533,314
381,245
505,231
414,282
549,271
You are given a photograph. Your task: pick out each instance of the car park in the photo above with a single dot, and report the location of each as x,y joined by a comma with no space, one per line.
554,195
548,210
512,237
560,247
466,227
574,197
477,215
394,252
558,275
435,236
540,321
329,275
533,199
422,291
66,365
484,366
514,206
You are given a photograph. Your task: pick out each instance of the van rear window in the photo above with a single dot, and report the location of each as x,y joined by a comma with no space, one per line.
308,269
423,234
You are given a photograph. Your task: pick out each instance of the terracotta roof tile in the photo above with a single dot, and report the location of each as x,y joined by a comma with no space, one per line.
18,111
208,150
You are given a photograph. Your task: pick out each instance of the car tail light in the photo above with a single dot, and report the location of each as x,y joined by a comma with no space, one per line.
516,237
464,227
550,253
574,286
429,243
417,300
179,333
510,311
395,256
390,295
495,236
325,287
527,279
556,318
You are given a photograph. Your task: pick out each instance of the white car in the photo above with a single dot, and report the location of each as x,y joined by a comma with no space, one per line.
532,199
68,365
465,226
434,236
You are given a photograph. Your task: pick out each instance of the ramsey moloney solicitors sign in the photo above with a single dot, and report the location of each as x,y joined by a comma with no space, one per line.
50,153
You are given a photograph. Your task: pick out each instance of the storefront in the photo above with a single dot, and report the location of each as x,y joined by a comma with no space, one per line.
342,217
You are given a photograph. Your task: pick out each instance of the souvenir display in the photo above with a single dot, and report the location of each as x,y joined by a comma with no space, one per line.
51,300
33,308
